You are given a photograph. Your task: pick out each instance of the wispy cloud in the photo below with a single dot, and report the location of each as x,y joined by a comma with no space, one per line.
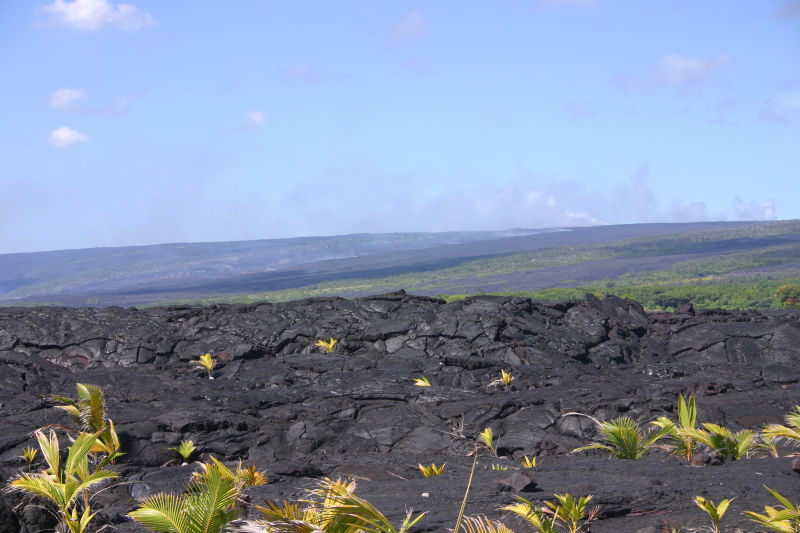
66,99
93,15
411,27
789,10
579,110
675,69
303,74
256,118
65,136
784,109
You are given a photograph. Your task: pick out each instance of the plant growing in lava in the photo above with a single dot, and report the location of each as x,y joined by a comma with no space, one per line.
208,504
721,440
89,411
791,431
432,470
682,443
528,462
326,346
505,379
568,511
624,438
185,450
331,507
28,455
207,362
66,482
487,438
422,382
716,512
786,518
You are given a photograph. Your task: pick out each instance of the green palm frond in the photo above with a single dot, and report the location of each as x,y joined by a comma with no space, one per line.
333,508
481,524
165,513
208,504
785,519
791,431
625,439
543,520
723,441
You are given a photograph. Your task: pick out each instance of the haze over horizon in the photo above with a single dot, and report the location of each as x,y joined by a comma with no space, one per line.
153,122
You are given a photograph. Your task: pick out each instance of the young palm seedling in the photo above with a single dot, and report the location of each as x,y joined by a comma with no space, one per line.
487,438
716,512
432,470
499,468
89,412
543,520
624,438
250,476
186,449
572,513
528,462
327,347
721,440
28,455
207,362
422,382
790,432
65,482
210,502
682,443
331,507
505,379
786,518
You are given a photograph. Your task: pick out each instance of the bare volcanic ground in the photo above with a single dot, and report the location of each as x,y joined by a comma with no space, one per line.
301,415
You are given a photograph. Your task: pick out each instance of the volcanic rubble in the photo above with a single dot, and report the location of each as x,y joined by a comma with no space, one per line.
300,415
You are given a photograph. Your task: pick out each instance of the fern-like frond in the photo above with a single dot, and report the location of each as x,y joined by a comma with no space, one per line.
481,524
165,513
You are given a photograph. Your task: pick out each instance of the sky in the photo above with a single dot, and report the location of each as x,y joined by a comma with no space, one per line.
190,121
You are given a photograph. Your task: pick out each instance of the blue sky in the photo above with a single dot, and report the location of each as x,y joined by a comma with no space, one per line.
183,121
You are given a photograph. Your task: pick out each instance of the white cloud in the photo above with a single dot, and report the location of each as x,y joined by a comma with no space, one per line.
256,118
675,69
754,210
65,99
412,26
64,136
93,15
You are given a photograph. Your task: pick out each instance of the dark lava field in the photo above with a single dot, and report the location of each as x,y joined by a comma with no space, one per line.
300,415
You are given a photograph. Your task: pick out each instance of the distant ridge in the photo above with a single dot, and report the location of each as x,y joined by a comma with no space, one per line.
359,264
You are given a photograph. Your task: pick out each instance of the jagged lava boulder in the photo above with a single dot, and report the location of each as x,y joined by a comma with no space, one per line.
300,414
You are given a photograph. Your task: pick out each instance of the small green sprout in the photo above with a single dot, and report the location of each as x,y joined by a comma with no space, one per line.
29,454
250,476
499,468
716,512
568,510
207,362
487,437
185,450
432,470
422,382
528,462
506,377
328,346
